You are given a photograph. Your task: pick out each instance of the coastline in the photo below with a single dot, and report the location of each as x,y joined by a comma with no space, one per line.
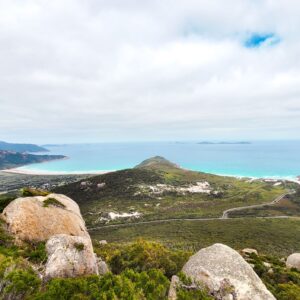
295,179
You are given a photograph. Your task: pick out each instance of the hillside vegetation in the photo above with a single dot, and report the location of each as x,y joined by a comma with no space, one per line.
158,189
139,270
10,159
21,147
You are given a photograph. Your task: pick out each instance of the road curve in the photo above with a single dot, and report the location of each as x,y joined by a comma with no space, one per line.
276,200
223,217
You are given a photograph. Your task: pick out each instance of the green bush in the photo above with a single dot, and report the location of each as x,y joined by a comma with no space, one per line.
288,291
142,256
31,192
79,246
5,199
184,294
282,282
17,278
53,202
21,284
152,285
35,253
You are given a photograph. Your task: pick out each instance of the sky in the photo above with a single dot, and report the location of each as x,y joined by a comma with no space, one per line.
130,70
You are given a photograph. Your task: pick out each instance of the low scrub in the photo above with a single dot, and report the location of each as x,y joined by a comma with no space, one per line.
142,256
53,202
31,192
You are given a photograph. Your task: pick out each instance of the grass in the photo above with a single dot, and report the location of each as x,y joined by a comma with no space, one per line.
53,202
289,206
79,246
32,192
270,236
6,198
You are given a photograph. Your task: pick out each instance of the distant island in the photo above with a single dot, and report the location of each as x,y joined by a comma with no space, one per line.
21,147
10,159
223,143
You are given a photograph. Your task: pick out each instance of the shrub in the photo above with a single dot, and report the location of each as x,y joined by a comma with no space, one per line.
36,253
288,291
152,285
79,246
21,284
17,278
5,200
185,294
53,202
144,255
31,192
282,282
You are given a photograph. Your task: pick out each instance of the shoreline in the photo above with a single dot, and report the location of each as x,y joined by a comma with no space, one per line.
295,179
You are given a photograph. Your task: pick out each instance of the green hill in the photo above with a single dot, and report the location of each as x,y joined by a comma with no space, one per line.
21,147
9,159
157,189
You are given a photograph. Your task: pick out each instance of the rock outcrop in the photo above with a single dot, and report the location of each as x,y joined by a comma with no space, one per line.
70,256
56,219
293,261
248,251
102,267
225,274
175,281
39,218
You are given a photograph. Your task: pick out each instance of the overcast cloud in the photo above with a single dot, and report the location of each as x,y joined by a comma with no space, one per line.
93,70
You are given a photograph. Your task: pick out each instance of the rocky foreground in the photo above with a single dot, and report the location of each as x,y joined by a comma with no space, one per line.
215,272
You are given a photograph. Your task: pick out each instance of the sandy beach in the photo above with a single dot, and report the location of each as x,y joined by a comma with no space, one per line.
99,172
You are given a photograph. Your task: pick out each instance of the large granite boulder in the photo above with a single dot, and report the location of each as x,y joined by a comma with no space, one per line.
70,256
293,261
225,274
38,218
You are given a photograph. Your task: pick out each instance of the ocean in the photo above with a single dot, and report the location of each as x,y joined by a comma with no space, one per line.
278,159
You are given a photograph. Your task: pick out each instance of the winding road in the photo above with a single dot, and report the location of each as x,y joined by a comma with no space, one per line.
275,201
223,217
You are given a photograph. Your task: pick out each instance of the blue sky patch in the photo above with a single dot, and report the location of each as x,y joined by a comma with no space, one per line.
258,39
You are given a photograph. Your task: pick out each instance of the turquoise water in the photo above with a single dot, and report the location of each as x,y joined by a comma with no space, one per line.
258,159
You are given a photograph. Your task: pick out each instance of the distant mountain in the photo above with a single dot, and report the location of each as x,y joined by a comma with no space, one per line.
21,147
10,159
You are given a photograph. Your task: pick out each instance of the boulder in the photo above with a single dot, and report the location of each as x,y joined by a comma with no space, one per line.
70,256
38,218
225,274
103,242
248,251
293,261
102,267
175,281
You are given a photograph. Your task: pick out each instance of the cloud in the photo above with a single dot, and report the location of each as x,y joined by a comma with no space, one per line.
92,70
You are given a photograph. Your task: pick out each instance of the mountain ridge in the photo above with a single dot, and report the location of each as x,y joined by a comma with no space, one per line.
19,147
